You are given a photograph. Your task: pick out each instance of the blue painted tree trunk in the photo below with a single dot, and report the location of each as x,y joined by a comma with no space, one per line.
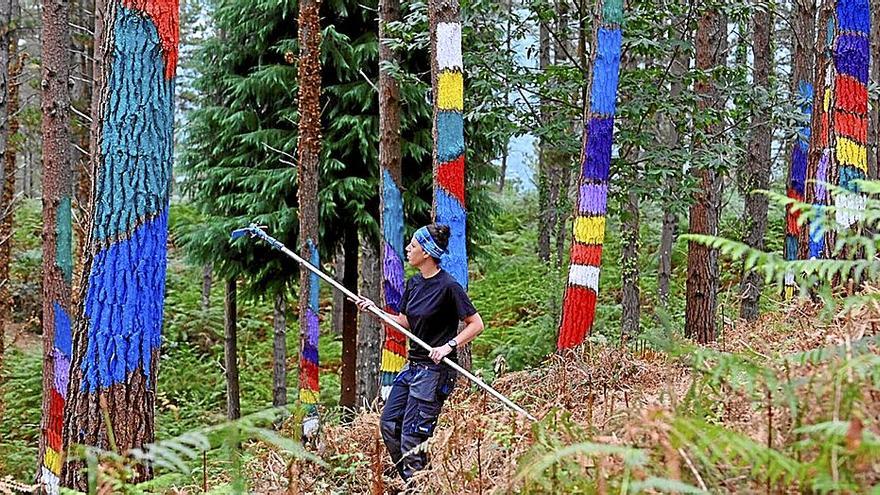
117,337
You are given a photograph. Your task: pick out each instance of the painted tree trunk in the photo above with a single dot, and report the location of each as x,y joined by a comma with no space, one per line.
309,149
588,233
851,53
812,239
348,382
118,332
230,350
838,148
756,175
391,214
804,32
702,272
57,255
874,137
279,351
369,338
447,79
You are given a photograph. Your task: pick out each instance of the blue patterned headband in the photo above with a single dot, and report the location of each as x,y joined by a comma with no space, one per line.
428,243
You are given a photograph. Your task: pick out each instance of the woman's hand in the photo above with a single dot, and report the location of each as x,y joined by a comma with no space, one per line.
363,303
438,353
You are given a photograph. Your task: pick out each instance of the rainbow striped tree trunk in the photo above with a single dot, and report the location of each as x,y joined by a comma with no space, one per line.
838,144
804,22
116,343
394,350
447,81
579,303
309,148
849,107
57,184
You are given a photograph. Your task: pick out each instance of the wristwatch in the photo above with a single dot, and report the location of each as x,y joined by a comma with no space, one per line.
452,343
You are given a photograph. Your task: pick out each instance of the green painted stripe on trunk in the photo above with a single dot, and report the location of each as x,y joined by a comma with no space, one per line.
612,11
63,241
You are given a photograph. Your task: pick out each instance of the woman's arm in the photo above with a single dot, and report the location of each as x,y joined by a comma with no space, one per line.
473,326
365,303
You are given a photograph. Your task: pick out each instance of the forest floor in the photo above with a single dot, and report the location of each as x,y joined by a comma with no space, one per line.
616,397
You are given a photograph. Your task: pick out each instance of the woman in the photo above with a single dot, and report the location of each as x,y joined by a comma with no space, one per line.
433,303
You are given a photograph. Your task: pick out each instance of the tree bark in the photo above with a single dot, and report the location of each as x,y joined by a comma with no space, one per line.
207,281
369,338
279,351
57,256
546,205
81,100
230,351
338,297
447,82
630,300
119,311
348,391
12,70
391,202
672,137
702,277
801,84
309,151
756,175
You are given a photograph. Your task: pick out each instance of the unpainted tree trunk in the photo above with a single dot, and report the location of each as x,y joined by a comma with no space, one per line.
230,351
338,297
207,281
12,71
348,392
630,299
370,335
702,276
670,133
756,174
279,351
82,14
57,255
546,206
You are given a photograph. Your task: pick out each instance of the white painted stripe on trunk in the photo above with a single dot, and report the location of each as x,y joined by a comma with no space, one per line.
449,46
585,276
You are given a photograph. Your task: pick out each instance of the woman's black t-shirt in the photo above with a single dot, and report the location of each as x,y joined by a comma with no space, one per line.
433,307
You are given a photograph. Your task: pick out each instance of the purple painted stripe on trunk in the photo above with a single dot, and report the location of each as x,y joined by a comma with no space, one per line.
593,199
61,371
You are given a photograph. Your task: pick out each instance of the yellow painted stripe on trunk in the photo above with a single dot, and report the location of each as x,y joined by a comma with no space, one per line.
852,153
450,91
53,461
308,396
589,230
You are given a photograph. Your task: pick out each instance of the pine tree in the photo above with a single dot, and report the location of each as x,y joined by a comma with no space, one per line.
579,303
702,265
756,173
804,34
57,235
116,342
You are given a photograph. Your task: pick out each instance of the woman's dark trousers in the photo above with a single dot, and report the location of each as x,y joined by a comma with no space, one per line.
411,412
